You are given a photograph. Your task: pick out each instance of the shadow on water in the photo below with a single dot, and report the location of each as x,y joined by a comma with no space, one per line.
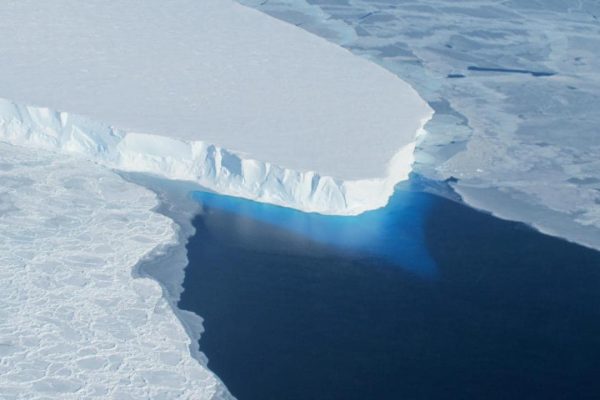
294,313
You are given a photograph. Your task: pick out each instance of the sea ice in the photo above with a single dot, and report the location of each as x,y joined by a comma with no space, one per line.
75,320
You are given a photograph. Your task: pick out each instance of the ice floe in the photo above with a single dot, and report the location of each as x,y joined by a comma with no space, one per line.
76,320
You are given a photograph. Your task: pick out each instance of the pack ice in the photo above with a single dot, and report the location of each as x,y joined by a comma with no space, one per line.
207,91
75,323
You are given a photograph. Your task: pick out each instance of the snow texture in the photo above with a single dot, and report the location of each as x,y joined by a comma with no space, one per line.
75,321
304,112
515,88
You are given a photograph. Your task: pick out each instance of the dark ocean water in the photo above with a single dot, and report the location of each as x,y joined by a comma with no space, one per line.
425,299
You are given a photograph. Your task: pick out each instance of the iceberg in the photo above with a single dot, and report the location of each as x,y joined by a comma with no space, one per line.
209,91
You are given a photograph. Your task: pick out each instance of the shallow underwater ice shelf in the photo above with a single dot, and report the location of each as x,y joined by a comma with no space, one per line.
394,235
306,124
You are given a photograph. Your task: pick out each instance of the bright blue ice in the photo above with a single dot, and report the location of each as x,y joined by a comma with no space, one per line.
394,234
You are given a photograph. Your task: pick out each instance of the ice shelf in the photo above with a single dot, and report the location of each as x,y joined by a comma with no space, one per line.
210,91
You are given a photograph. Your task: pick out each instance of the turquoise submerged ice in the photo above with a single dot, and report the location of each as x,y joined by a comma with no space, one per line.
516,91
393,235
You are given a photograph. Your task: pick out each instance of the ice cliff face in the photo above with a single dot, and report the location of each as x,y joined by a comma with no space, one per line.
213,167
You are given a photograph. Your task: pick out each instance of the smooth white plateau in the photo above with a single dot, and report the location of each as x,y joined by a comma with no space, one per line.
75,323
216,72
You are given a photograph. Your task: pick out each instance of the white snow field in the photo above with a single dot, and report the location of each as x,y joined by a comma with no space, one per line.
209,91
75,322
515,86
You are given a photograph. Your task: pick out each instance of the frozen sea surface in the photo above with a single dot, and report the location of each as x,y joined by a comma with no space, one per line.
519,129
75,319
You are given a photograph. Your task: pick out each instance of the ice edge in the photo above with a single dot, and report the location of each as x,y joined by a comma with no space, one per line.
174,254
213,167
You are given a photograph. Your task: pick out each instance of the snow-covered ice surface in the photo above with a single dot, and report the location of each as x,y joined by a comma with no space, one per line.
515,86
321,129
76,320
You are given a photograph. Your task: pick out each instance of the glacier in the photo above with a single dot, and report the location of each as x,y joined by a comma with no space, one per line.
211,91
77,320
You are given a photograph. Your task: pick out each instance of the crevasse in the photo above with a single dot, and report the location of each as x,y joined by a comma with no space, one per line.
212,167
